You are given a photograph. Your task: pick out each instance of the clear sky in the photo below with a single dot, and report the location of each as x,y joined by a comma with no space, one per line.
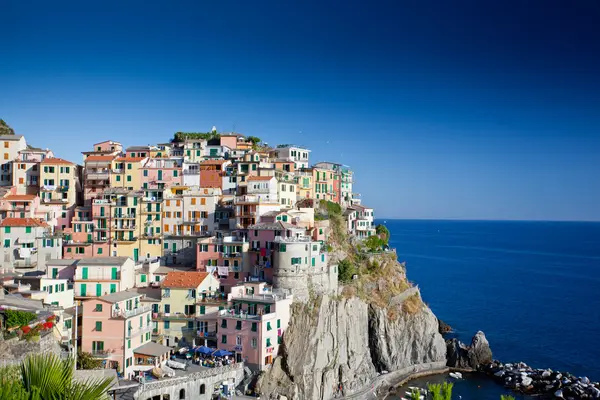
445,109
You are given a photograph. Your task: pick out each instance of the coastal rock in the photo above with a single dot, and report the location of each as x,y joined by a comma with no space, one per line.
469,357
344,342
325,346
410,339
443,327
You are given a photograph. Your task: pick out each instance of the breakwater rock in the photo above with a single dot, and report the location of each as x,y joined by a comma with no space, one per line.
522,378
469,357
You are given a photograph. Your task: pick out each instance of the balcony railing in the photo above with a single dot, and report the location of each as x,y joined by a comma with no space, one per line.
97,175
131,313
174,316
103,202
232,313
139,331
102,353
48,188
191,172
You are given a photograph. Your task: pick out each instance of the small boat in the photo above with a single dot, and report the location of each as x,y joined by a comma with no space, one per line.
175,364
456,375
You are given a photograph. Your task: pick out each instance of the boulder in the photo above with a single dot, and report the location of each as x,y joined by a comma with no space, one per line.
443,327
477,354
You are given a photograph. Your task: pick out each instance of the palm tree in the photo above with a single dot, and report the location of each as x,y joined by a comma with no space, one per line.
46,377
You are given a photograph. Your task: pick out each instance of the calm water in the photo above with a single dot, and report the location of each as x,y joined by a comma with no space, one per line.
532,287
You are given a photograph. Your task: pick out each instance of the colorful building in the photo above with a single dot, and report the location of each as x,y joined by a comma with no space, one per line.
227,256
181,313
10,148
114,326
252,326
26,170
126,172
97,277
60,184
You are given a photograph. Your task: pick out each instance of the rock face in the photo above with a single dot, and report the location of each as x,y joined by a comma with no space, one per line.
346,342
443,327
469,357
408,340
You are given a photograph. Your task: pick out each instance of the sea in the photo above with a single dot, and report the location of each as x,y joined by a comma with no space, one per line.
532,287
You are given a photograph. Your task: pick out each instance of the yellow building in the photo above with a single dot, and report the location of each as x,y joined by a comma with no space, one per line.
304,184
126,172
133,223
186,307
325,185
60,184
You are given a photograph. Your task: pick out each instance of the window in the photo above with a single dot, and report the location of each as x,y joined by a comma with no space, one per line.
128,343
167,324
278,323
269,326
28,229
254,327
253,343
238,340
238,325
100,251
202,389
7,229
167,307
98,326
224,323
128,178
113,288
68,323
203,201
143,278
202,310
98,307
182,394
6,242
224,339
128,166
268,342
118,178
193,200
282,248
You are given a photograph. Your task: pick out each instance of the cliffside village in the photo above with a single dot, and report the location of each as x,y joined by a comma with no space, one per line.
147,249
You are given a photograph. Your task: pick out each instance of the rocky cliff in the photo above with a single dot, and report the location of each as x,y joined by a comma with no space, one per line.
339,341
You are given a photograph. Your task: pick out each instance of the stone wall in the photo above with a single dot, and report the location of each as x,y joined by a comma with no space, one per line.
13,351
302,280
192,383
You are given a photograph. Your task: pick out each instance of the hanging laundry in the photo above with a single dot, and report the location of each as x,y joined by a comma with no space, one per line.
263,252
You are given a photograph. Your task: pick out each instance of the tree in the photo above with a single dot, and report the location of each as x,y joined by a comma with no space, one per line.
5,129
374,243
383,232
253,139
86,360
345,271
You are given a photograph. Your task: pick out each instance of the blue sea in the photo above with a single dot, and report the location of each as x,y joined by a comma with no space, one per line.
532,287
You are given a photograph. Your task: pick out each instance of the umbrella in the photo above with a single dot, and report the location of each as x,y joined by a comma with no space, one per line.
222,353
204,350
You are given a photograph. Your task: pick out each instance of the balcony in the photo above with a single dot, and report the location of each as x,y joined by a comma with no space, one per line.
97,175
103,202
212,300
137,332
270,296
129,239
191,172
192,221
125,216
131,313
235,314
102,353
48,188
176,316
123,228
63,188
118,170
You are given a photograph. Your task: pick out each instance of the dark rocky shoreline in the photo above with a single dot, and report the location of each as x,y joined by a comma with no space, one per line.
521,378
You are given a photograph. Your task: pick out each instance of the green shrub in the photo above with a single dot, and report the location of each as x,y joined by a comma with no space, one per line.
506,397
374,243
447,390
345,271
15,318
436,391
383,232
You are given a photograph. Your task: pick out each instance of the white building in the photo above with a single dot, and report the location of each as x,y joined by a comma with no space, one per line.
299,155
96,277
10,146
286,191
28,243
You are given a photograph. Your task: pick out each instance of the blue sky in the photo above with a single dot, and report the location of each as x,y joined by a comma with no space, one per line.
443,109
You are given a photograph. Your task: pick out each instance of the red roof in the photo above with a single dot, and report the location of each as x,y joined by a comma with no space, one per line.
213,162
132,159
23,222
184,280
260,178
99,158
20,197
56,160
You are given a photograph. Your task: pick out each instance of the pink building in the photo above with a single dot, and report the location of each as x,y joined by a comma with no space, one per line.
114,326
261,237
253,325
165,171
228,256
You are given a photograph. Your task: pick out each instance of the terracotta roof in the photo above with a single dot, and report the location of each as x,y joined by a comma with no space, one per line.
184,280
213,162
132,159
260,178
20,197
56,160
22,222
99,158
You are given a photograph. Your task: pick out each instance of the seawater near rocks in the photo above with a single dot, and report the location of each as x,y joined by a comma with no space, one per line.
524,379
